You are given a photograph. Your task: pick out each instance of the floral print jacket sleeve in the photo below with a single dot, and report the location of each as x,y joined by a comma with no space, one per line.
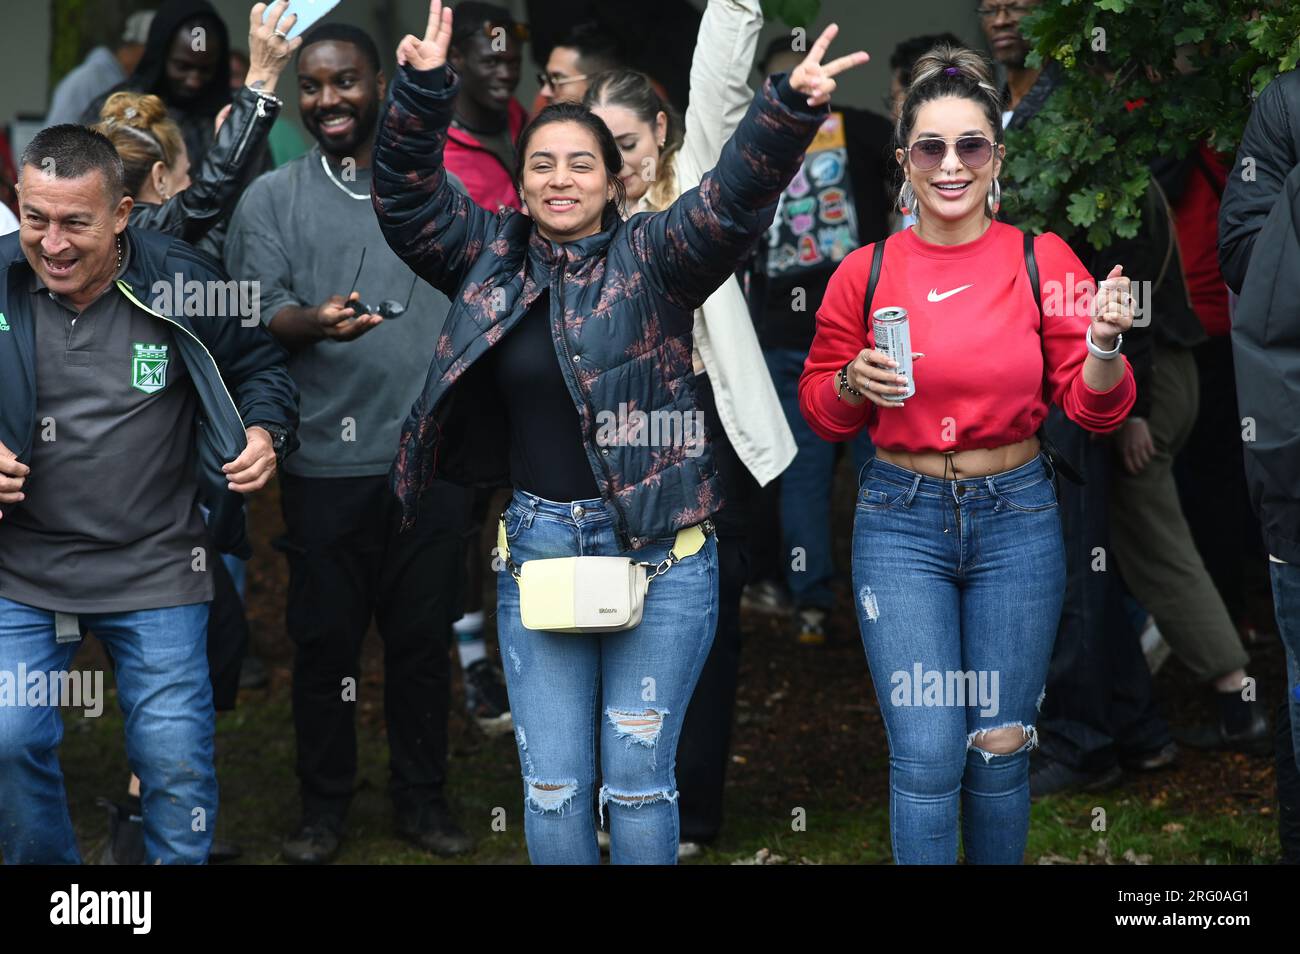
436,229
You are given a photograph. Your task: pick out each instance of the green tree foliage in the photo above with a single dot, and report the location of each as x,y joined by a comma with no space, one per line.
795,13
1141,79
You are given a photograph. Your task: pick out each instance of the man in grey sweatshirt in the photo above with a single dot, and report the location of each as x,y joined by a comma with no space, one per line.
359,350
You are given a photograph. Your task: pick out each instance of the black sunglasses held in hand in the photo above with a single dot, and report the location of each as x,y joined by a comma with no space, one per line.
387,309
973,151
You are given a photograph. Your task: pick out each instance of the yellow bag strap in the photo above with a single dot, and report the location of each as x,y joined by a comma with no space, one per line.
689,542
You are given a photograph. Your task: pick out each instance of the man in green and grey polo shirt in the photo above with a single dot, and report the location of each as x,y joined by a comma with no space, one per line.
117,418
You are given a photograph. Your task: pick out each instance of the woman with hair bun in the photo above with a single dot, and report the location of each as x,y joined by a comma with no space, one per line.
958,562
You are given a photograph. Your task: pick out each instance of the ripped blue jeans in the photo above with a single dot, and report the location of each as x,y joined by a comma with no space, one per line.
959,587
627,691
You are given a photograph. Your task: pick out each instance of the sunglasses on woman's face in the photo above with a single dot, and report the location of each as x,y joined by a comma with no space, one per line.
973,151
387,309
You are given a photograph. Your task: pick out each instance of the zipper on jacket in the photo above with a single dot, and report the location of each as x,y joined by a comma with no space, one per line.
248,129
126,290
568,364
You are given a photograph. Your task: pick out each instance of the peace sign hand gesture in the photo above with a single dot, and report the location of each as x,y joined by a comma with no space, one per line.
431,52
813,78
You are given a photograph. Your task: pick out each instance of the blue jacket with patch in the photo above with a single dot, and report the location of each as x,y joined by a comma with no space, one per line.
238,371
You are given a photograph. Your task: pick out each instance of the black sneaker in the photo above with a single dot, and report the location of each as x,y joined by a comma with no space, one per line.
765,597
125,833
1150,760
432,828
486,697
316,842
1255,739
1048,776
253,673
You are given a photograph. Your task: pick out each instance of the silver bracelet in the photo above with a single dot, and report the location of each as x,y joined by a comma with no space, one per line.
1104,355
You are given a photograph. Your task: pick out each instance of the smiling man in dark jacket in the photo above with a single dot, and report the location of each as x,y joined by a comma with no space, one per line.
116,419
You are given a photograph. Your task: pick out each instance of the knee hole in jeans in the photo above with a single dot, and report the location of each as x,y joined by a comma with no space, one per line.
1003,740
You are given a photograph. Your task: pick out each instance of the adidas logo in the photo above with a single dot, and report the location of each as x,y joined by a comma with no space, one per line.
4,325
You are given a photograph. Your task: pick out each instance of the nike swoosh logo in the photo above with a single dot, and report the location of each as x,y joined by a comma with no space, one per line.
935,296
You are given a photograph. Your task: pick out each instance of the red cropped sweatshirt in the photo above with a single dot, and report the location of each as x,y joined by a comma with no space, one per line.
972,314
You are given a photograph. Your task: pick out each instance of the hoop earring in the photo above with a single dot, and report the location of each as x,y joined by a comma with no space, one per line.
994,201
906,198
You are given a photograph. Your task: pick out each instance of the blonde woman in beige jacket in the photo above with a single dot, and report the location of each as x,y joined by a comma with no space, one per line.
664,157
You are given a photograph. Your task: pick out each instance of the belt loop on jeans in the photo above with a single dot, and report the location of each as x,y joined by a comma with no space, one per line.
67,628
911,492
1047,466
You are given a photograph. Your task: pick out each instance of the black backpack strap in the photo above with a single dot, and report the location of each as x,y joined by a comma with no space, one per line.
1059,461
877,259
1031,266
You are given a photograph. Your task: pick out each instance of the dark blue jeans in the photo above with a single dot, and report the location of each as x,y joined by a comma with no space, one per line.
806,490
165,695
958,586
1286,607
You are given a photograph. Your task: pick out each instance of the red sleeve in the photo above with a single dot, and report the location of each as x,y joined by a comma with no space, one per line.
841,336
1067,291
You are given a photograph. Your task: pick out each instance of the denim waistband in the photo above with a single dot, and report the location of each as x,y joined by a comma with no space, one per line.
586,512
1026,475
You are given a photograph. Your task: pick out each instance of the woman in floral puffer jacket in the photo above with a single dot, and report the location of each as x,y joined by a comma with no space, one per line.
564,367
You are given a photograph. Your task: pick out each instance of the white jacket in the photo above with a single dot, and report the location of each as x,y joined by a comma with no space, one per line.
724,332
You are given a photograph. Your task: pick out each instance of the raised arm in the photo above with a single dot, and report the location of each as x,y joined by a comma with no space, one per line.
431,226
720,93
690,248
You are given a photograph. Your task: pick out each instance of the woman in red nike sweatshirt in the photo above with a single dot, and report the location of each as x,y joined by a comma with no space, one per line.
958,564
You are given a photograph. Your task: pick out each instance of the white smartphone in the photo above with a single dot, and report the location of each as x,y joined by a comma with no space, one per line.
309,11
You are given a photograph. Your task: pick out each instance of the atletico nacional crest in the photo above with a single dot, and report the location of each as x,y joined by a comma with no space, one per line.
148,367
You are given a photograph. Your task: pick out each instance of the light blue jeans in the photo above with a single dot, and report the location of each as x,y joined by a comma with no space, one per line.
163,689
629,690
958,586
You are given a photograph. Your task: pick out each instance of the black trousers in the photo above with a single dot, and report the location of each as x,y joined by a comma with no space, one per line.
348,563
1099,700
703,750
1211,475
227,635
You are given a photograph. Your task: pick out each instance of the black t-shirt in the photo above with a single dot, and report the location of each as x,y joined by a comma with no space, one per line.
839,201
547,455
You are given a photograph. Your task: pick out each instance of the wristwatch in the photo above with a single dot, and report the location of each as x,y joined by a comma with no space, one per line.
279,439
842,383
1104,355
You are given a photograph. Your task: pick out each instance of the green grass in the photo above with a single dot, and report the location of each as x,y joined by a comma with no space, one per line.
843,824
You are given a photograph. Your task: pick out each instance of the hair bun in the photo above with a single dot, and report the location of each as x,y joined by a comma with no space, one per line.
141,110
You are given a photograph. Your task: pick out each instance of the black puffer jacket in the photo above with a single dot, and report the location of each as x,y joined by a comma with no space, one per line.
1259,251
1270,149
199,214
621,301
